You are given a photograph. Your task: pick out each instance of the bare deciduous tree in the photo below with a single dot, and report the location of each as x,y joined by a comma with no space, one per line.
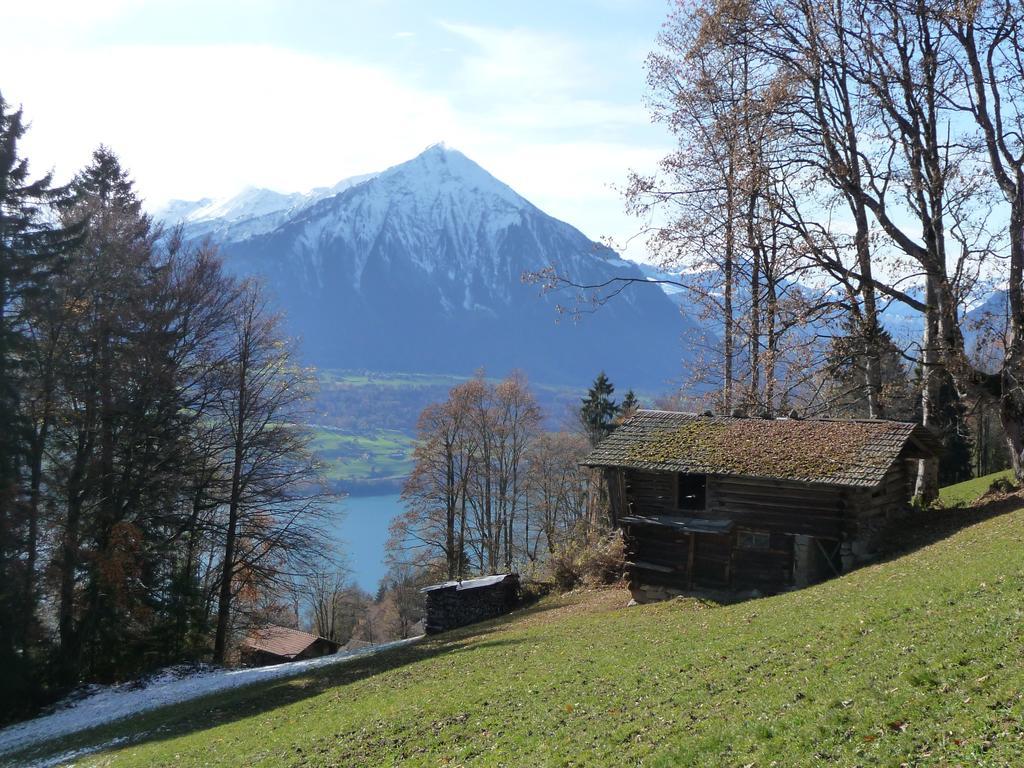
271,502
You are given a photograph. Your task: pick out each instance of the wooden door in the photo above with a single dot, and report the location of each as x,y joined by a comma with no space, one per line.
712,556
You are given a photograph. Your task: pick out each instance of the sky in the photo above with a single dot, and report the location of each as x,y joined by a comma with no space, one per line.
202,98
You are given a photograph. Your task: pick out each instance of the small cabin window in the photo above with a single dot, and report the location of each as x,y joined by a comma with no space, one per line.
691,491
753,540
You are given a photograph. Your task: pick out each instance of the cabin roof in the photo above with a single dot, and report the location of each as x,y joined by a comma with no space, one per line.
281,641
464,584
844,452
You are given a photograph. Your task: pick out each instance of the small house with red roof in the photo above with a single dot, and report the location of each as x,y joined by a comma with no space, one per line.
272,644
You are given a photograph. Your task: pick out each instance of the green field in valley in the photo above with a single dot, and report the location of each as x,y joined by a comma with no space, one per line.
365,422
380,454
914,661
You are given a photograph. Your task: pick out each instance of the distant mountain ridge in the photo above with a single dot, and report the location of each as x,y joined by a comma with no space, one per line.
253,211
419,268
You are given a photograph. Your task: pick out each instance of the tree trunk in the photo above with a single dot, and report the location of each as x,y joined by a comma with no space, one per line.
450,511
32,546
754,392
1012,416
926,488
462,537
730,255
1011,405
870,330
66,630
227,572
234,502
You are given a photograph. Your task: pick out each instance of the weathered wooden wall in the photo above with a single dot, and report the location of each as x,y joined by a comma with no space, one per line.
764,505
828,520
875,513
769,570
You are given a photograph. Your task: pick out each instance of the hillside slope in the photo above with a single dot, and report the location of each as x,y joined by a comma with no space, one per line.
915,661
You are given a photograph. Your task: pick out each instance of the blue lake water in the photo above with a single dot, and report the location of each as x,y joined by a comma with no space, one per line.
361,529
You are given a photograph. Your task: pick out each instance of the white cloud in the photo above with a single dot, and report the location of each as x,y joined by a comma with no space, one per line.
515,63
66,12
190,121
194,121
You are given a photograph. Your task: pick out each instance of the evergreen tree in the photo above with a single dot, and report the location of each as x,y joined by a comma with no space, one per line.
951,418
847,385
31,250
598,410
629,405
121,389
103,432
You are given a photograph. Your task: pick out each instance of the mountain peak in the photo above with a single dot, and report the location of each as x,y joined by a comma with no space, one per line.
420,268
442,155
442,168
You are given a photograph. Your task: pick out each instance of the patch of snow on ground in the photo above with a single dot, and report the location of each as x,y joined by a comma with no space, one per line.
103,705
65,758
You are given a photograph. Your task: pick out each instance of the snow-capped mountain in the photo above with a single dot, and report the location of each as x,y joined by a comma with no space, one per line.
253,211
676,294
419,268
904,323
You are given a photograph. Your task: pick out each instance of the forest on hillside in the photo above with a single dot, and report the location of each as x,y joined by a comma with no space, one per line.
156,487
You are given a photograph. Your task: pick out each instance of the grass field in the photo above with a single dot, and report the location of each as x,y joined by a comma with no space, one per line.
969,491
916,661
383,453
366,422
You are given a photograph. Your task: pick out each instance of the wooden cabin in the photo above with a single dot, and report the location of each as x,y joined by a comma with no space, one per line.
276,645
753,504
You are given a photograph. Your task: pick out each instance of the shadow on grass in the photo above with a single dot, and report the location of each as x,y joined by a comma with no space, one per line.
237,704
925,527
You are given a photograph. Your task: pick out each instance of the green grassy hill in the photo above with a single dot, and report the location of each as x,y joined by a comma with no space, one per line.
917,661
969,491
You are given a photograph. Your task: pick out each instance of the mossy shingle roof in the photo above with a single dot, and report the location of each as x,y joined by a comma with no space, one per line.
824,451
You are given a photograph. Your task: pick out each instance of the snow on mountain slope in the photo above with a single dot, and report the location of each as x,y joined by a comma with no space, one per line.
420,268
252,211
250,203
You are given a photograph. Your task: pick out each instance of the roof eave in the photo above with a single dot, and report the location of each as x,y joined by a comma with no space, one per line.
769,478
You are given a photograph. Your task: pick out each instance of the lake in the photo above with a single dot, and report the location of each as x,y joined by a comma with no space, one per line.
362,530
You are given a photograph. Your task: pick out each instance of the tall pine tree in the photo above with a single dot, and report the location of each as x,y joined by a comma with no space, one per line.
629,405
31,250
598,410
113,431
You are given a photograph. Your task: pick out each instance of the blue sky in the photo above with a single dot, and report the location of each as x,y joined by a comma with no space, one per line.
203,98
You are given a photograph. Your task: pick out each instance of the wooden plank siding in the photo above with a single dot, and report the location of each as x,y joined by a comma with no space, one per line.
763,505
658,556
769,570
650,492
785,510
777,506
